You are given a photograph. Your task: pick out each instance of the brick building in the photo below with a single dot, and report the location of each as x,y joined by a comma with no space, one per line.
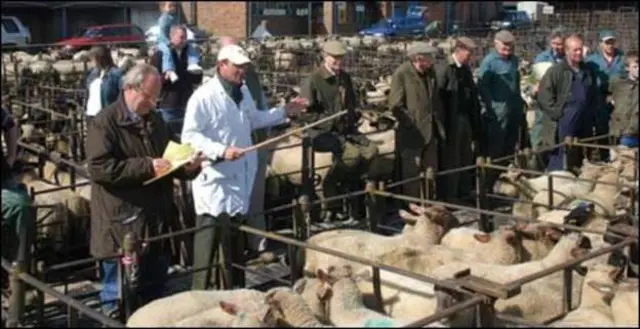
240,18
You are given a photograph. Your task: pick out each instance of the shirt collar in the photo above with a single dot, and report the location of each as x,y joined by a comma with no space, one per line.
455,61
132,115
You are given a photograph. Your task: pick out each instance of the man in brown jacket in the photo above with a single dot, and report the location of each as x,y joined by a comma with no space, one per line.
415,102
124,149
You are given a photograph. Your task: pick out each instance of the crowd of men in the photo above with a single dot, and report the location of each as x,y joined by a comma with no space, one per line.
444,120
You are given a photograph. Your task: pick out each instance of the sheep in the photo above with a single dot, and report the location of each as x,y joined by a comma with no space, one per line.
291,308
538,241
428,229
503,246
625,304
540,299
226,315
604,195
183,305
570,246
315,291
595,302
514,184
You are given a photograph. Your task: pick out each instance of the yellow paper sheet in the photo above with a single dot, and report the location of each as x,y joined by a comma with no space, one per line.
178,155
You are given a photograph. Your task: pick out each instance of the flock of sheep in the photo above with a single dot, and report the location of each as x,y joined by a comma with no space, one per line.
337,292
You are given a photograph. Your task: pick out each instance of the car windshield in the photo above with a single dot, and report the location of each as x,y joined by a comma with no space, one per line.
382,23
88,33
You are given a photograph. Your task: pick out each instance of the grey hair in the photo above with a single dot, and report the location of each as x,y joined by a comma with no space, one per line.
136,75
557,33
178,27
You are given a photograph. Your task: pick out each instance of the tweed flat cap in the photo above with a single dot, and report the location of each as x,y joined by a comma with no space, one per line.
505,36
466,42
421,48
335,48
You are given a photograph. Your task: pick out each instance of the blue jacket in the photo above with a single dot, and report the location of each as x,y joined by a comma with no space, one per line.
499,85
111,85
605,72
547,56
164,26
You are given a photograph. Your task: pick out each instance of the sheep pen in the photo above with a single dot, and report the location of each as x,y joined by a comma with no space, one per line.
461,235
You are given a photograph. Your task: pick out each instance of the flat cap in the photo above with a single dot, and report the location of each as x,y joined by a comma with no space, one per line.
607,35
465,42
421,48
335,48
505,36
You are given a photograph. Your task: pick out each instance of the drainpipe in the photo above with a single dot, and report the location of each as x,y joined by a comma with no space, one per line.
194,12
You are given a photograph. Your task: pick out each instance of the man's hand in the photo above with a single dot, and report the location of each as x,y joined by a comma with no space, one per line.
232,153
195,162
160,166
295,106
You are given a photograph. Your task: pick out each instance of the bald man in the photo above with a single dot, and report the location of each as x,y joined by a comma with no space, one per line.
568,96
256,244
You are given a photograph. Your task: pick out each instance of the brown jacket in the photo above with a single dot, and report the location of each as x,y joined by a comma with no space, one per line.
120,152
416,104
624,119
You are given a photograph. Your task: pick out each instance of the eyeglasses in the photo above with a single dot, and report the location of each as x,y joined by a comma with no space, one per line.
151,98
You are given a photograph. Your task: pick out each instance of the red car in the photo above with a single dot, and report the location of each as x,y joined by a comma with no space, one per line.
128,35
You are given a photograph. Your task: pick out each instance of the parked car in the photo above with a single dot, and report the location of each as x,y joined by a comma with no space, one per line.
194,34
127,34
410,24
511,20
14,33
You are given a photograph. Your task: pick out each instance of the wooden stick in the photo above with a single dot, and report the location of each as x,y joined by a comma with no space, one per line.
293,132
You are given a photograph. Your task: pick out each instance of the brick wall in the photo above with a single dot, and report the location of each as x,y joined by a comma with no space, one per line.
223,18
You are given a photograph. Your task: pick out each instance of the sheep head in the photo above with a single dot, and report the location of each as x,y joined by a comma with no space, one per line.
508,182
508,234
248,320
581,244
549,235
601,282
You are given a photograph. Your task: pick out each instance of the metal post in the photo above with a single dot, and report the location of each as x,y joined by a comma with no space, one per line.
308,169
300,229
567,282
16,306
373,207
74,151
550,193
485,226
40,270
565,155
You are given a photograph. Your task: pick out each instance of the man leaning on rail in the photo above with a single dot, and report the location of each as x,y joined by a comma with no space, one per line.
416,104
124,149
568,96
329,90
16,203
218,122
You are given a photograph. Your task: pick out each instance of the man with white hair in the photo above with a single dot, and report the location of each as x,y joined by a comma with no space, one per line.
218,122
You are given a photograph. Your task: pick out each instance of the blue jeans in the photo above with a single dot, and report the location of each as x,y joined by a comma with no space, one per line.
174,118
167,59
573,123
153,276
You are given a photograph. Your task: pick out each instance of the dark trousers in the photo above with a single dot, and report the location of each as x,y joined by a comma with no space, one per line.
153,267
572,123
218,245
413,162
174,118
602,119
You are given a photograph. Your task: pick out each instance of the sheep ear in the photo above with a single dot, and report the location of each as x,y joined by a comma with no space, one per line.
482,237
417,209
298,287
229,308
322,275
407,217
578,252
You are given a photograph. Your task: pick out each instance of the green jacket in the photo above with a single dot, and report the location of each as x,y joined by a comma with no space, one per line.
624,119
459,95
417,106
328,94
553,94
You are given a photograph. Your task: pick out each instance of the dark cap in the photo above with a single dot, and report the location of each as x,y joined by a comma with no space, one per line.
465,42
505,36
334,48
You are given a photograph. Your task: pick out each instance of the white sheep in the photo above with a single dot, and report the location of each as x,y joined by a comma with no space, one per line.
514,184
538,241
503,246
428,229
180,306
224,316
625,304
595,303
291,308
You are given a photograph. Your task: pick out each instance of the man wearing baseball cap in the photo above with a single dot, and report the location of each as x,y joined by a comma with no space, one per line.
219,119
608,63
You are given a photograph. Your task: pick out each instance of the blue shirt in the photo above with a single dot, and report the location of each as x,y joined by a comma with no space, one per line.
548,56
605,71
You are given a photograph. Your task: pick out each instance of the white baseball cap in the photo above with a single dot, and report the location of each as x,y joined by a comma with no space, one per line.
234,54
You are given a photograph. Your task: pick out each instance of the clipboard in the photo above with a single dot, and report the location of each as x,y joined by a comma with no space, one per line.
178,155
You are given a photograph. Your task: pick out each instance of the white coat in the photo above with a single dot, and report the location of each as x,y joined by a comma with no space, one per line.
212,122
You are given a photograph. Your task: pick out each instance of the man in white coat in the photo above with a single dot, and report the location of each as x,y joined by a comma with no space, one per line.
219,119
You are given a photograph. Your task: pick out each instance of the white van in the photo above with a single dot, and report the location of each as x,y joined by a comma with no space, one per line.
14,33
